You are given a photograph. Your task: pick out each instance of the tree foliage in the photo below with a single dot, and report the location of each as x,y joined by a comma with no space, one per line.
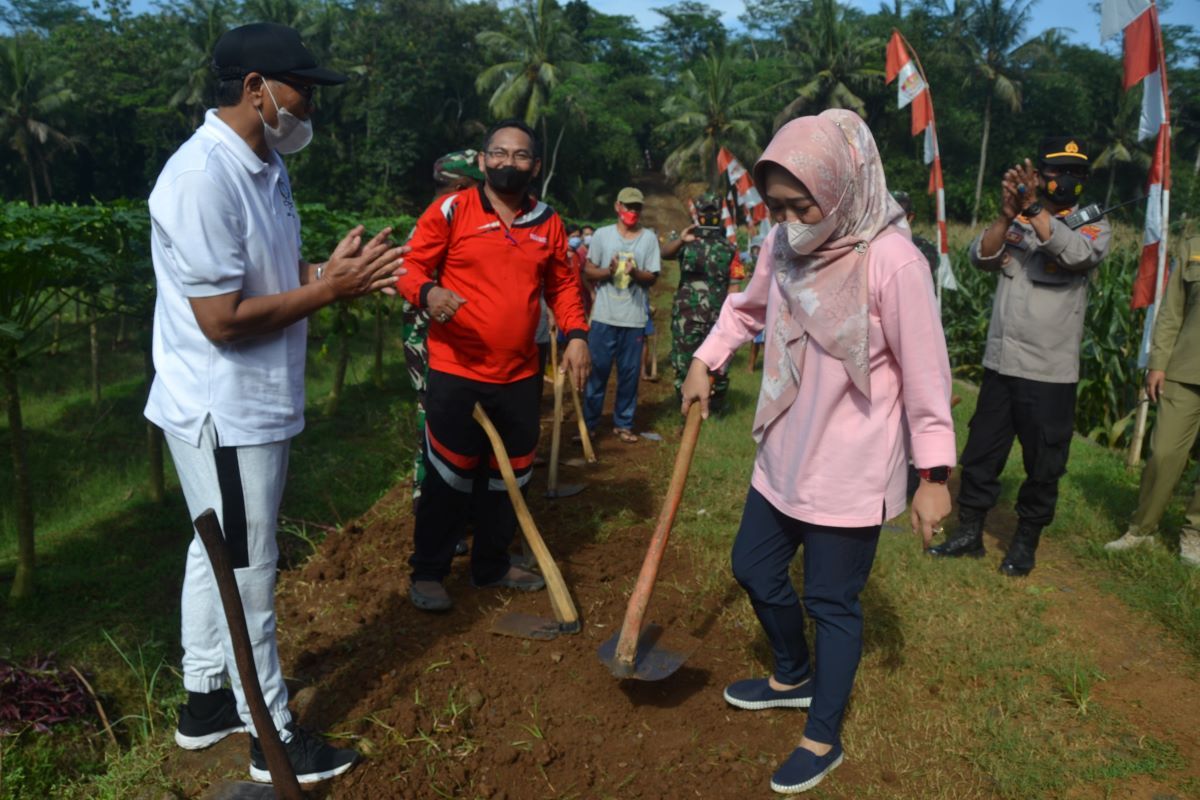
94,98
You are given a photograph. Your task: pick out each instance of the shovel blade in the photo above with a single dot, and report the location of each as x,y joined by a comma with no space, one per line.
526,626
242,790
655,659
565,490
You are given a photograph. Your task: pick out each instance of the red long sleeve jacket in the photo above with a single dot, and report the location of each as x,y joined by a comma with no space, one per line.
501,272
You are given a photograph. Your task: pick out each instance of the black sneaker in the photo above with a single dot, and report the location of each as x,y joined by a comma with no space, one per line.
312,759
194,733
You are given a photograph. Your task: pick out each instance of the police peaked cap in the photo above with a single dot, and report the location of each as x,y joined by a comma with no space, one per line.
1064,151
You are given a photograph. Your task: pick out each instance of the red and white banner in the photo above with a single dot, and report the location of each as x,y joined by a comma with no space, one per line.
913,90
1143,61
747,196
727,221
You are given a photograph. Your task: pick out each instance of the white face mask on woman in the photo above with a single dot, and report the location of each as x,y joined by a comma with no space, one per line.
290,134
803,238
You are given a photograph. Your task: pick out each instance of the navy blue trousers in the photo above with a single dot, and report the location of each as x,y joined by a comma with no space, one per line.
837,562
612,345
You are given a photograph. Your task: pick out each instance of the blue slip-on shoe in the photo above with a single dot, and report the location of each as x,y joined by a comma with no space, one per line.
804,769
756,694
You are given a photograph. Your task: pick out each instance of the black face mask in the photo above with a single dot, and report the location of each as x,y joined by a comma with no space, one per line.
1064,189
509,179
708,220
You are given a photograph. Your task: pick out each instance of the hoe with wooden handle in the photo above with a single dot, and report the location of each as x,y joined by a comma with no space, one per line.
554,489
526,625
283,778
639,652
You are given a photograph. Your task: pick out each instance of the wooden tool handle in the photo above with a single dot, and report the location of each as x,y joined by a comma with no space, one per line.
283,777
556,429
560,598
588,453
640,599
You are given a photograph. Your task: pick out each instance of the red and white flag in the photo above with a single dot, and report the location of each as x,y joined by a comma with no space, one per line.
1137,21
913,90
747,195
727,220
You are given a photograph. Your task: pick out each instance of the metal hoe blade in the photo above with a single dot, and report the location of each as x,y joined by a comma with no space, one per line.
528,626
655,660
565,490
242,790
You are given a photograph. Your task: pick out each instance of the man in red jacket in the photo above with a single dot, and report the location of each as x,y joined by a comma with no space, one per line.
495,251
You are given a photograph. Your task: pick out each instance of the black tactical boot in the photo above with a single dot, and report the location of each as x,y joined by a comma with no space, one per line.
1019,560
967,539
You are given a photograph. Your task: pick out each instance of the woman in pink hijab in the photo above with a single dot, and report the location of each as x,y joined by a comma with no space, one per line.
855,380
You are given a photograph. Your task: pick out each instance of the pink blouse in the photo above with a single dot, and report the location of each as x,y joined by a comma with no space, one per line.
836,458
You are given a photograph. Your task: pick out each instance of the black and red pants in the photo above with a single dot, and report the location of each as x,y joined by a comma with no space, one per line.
462,477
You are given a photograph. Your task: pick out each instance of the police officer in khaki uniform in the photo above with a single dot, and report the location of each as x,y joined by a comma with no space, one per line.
1031,362
1173,382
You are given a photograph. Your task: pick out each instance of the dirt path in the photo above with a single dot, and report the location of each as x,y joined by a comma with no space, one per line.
443,708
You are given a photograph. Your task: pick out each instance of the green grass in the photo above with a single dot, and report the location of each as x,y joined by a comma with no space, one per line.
110,561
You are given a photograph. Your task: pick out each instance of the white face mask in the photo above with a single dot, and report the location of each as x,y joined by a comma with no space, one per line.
587,239
290,134
803,238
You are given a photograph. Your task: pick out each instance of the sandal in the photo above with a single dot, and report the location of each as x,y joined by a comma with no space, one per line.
625,435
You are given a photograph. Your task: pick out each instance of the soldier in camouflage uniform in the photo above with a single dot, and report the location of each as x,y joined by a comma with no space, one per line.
707,263
451,173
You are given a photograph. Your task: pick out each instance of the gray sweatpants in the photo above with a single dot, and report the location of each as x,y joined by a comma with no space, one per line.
244,485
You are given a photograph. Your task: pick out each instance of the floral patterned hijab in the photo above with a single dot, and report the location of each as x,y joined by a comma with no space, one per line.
825,291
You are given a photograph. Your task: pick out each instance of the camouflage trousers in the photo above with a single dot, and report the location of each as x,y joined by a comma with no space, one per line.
693,314
416,360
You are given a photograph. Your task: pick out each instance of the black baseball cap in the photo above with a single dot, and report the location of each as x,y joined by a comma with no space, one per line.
1064,151
268,49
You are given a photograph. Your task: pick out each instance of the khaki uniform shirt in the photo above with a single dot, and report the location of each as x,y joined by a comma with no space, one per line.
1041,296
1175,346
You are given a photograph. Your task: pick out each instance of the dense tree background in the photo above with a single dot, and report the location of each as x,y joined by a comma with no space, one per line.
93,99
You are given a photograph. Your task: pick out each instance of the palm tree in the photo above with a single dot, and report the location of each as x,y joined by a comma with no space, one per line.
835,57
993,43
201,22
534,55
1121,135
709,110
32,92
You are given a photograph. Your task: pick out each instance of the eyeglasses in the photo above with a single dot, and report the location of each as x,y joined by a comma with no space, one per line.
500,154
305,90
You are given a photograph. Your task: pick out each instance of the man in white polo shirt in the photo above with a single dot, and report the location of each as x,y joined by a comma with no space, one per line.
229,350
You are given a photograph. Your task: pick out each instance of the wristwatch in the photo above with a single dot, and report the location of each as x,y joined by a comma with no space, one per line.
935,474
1033,209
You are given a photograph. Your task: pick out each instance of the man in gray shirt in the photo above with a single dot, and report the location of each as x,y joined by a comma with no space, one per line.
623,260
1031,362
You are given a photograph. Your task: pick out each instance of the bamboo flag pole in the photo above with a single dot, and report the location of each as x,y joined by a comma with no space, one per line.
1160,173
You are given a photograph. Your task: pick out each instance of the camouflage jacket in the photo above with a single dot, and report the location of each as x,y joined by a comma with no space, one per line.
707,259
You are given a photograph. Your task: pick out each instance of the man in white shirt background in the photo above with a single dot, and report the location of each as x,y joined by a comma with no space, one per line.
229,350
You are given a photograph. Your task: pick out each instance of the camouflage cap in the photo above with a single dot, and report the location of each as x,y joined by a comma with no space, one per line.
708,200
459,164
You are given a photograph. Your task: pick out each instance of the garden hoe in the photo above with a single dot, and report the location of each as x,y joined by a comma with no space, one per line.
554,490
528,626
283,778
589,454
639,652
